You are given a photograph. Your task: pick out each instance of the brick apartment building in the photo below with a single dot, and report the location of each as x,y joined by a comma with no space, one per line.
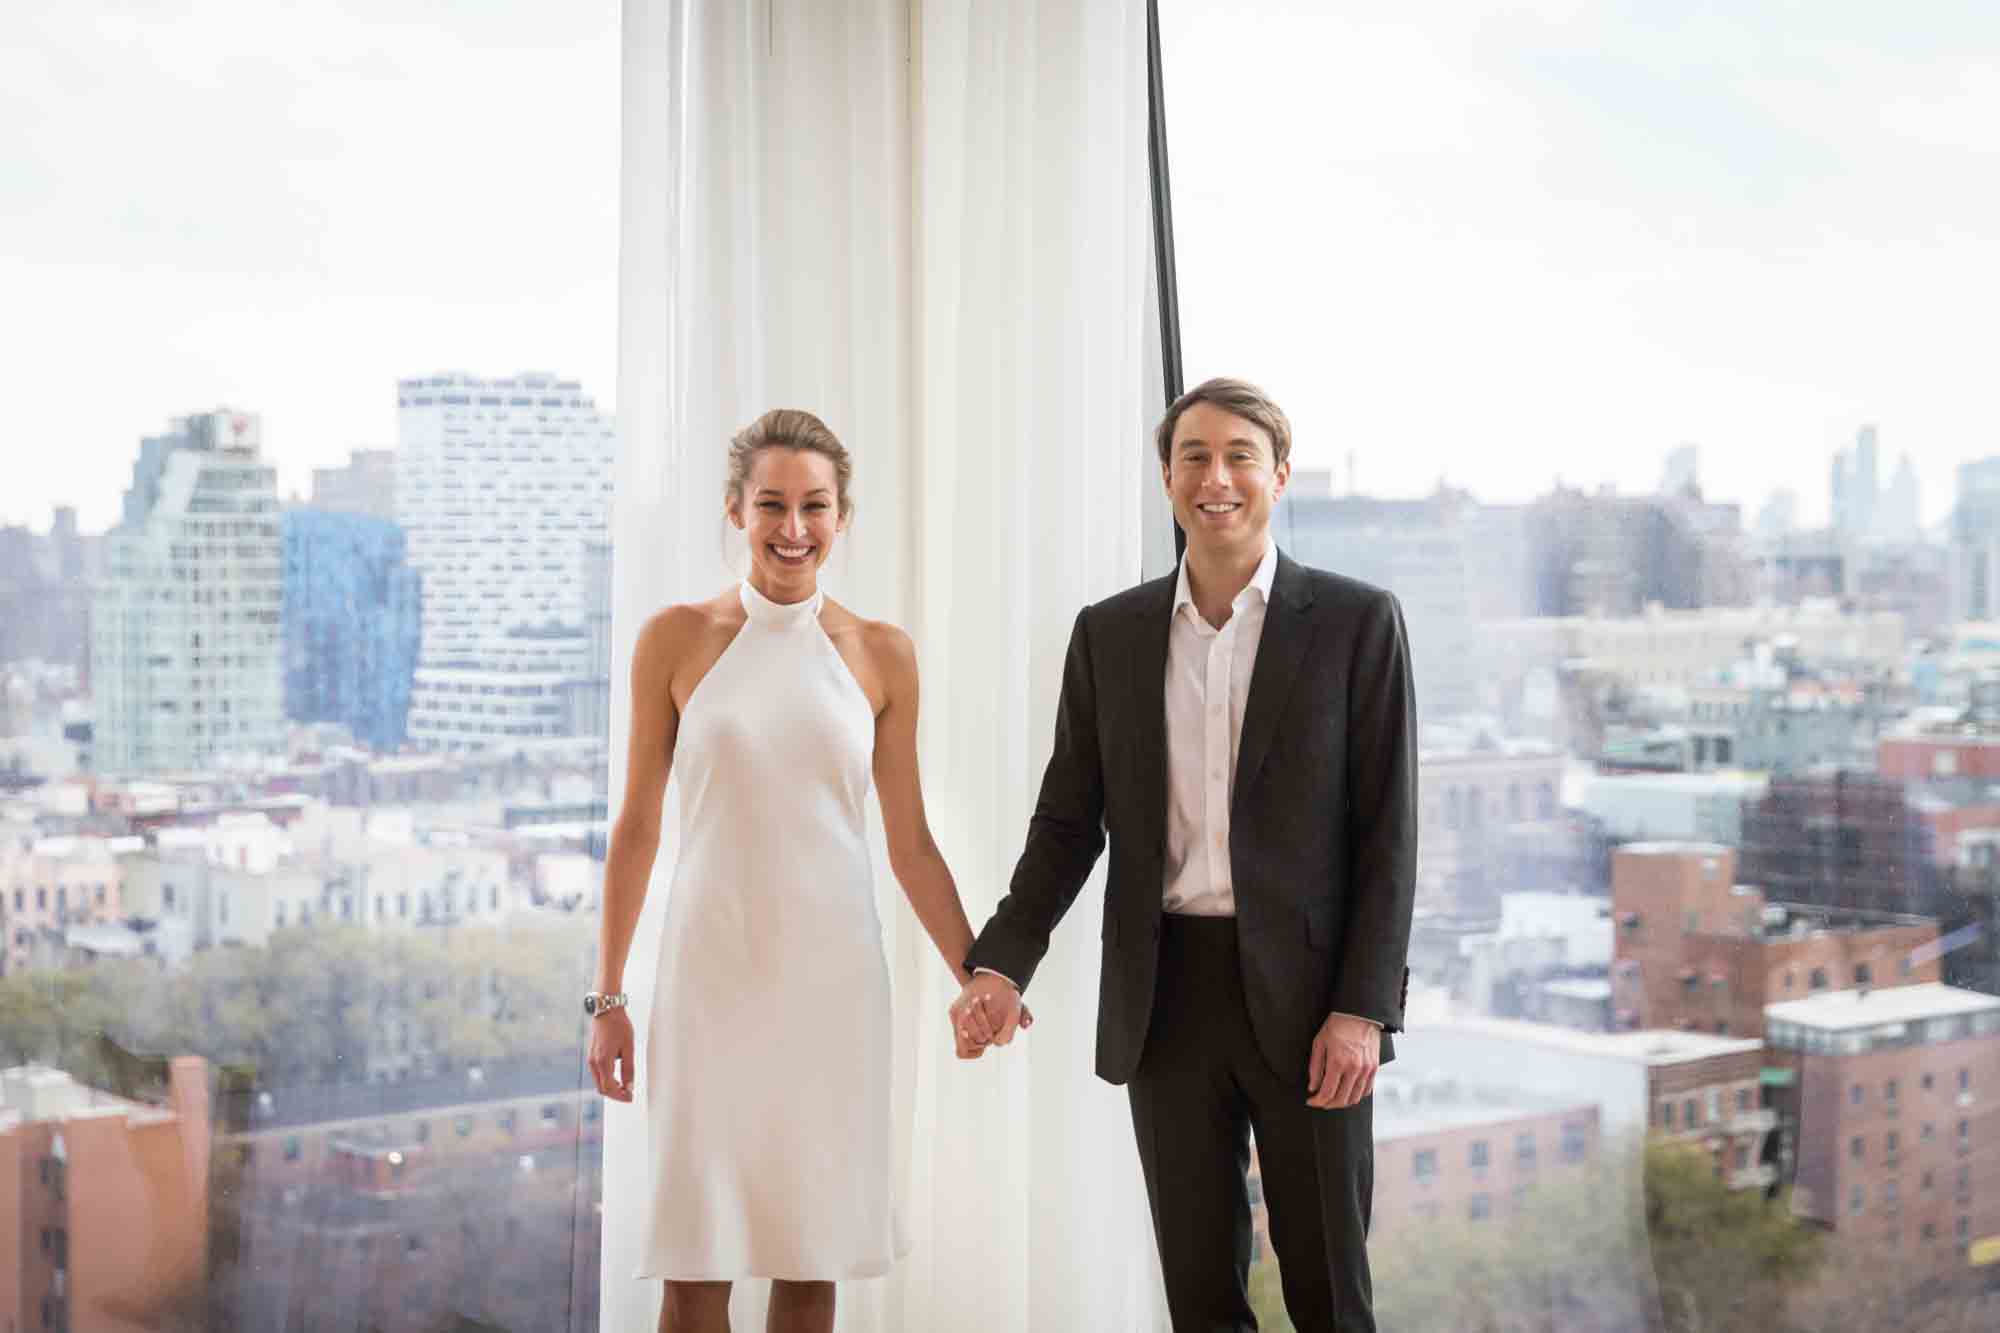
1697,951
1448,1150
401,1206
1692,1085
1895,1099
102,1200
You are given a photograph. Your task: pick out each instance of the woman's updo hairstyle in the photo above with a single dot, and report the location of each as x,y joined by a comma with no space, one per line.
787,428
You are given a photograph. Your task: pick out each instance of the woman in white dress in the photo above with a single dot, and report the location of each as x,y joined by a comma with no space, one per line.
768,1057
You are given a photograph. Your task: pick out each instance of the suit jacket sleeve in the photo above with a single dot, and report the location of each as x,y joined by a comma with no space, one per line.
1381,833
1065,834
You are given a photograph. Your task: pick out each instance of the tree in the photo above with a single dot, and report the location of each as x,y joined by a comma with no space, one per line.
1724,1258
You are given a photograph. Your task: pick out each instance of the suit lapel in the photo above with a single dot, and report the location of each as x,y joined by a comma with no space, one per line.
1152,623
1280,652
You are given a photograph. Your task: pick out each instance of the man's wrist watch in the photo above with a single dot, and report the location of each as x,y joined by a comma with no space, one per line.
596,1003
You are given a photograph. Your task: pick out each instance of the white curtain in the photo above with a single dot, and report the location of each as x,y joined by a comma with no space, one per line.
927,222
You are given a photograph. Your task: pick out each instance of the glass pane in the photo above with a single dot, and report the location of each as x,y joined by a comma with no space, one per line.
1633,349
302,713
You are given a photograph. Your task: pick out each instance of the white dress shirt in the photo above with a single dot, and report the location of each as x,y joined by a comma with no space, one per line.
1208,687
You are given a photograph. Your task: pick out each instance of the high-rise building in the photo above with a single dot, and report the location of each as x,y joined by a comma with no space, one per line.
1779,515
1975,542
366,485
1856,479
351,617
1422,551
185,663
1899,517
502,485
1681,476
589,696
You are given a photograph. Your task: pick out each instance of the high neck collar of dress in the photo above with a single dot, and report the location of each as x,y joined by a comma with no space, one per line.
780,615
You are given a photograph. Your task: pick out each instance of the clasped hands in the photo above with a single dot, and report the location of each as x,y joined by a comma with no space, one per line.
1346,1051
987,1012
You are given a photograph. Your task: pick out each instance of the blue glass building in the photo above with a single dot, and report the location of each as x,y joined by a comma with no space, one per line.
352,622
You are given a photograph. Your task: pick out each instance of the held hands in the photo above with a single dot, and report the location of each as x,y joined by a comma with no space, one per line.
1345,1055
611,1054
987,1012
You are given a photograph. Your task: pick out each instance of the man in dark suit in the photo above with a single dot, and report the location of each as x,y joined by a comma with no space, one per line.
1245,732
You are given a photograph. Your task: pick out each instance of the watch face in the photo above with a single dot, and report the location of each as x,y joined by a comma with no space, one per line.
590,1004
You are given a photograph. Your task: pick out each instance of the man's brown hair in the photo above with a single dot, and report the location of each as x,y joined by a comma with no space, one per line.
1238,397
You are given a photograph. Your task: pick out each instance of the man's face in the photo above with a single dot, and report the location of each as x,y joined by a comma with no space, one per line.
1223,479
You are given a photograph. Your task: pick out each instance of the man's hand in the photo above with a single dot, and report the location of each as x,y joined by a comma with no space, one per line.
1345,1056
611,1054
986,1013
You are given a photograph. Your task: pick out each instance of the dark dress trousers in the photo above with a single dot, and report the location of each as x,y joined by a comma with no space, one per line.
1210,1021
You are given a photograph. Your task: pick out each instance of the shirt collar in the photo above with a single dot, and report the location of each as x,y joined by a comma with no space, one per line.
1261,581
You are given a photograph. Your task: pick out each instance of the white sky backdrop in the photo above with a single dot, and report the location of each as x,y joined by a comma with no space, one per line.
1496,247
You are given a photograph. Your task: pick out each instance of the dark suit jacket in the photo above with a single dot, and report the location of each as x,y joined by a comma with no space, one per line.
1323,816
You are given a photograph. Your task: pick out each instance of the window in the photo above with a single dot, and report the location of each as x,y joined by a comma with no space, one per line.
1856,1147
1524,1151
1863,974
1856,1199
1476,1157
1481,1207
1575,1142
1424,1162
1817,981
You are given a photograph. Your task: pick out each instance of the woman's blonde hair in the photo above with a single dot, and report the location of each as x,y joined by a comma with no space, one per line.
787,428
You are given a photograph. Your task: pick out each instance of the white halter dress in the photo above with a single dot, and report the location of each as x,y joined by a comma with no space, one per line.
768,1057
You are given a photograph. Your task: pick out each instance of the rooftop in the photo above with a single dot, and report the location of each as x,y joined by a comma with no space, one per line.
1847,1010
1672,849
1407,1105
1579,988
1651,1046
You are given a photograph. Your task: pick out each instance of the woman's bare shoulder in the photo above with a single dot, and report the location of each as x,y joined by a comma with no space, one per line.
887,645
674,630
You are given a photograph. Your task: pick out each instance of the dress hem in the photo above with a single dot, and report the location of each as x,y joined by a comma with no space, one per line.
755,1272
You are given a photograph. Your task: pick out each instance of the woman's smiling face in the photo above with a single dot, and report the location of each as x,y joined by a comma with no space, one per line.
790,512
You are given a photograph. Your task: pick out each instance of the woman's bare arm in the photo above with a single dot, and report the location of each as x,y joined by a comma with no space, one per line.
914,857
635,838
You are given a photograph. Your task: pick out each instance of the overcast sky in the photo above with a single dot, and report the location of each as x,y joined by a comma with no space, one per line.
1493,248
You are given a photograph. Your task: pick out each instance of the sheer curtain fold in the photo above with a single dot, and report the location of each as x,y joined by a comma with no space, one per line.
928,223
